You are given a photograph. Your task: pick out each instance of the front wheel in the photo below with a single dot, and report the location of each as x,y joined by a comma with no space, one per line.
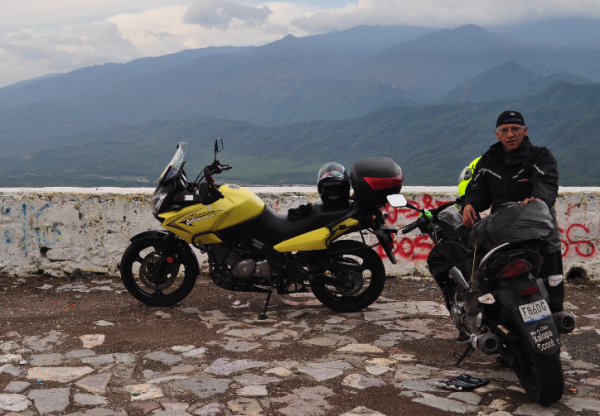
140,277
541,375
362,286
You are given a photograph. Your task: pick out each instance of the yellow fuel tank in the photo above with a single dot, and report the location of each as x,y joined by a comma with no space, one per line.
239,205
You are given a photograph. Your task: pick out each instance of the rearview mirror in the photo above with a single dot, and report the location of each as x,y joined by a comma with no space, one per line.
218,147
397,200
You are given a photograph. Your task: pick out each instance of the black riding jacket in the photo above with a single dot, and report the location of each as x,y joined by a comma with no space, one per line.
510,177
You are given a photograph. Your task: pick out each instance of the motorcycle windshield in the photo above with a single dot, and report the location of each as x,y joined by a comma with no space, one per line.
173,167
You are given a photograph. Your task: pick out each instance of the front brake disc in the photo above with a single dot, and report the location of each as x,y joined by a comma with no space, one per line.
148,276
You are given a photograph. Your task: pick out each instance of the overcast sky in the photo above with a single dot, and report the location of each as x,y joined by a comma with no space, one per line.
38,37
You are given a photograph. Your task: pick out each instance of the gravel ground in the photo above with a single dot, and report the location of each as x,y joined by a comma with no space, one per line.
210,352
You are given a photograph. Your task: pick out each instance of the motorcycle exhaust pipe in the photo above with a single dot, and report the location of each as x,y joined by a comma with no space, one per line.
564,321
488,343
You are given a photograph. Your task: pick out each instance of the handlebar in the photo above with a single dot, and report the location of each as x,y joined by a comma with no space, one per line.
434,212
416,224
423,220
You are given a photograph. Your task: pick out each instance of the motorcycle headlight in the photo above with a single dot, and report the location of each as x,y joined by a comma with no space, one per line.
158,199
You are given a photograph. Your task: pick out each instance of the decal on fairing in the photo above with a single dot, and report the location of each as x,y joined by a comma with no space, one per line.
190,219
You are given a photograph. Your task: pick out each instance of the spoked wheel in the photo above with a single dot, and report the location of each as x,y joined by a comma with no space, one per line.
140,277
541,375
360,287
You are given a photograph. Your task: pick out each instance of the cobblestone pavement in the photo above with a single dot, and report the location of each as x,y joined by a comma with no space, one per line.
87,348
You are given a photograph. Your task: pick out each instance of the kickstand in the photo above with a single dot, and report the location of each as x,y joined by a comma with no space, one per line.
464,355
263,315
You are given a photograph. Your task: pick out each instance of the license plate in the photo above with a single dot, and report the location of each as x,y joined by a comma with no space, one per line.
535,311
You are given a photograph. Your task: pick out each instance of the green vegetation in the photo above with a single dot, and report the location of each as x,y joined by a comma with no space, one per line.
431,143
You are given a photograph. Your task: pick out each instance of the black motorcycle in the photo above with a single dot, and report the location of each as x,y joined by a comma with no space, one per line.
500,307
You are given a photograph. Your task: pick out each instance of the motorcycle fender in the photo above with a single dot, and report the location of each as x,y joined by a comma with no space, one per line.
149,234
160,234
315,240
541,335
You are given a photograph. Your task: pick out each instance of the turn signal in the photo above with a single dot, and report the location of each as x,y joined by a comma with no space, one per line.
515,268
487,299
555,279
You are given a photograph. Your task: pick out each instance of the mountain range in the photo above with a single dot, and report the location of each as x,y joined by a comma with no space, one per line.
508,80
425,97
431,143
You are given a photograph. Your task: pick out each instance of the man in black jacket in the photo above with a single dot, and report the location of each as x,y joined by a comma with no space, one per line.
514,170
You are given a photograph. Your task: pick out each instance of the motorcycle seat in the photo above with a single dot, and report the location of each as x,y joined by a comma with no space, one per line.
282,228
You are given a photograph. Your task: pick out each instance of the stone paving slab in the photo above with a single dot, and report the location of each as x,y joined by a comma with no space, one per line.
50,400
17,387
205,387
96,383
444,404
14,402
89,399
46,360
144,391
60,374
164,357
225,366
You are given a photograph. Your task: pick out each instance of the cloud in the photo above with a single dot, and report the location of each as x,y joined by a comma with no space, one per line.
68,47
222,13
442,13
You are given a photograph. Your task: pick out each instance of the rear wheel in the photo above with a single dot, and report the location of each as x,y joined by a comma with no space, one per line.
361,287
140,277
541,375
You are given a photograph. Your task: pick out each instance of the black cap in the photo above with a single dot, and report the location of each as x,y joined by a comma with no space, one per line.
510,117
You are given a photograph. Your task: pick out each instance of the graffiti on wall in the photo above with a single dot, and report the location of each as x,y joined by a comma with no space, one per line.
32,231
576,238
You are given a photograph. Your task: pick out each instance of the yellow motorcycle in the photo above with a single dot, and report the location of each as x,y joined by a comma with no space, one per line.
252,248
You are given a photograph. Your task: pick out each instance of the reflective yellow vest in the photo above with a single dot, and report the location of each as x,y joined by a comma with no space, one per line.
465,177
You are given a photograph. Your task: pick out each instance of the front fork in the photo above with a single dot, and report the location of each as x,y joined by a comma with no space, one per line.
168,245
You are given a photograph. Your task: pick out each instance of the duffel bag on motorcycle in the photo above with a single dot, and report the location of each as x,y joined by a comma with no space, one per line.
513,223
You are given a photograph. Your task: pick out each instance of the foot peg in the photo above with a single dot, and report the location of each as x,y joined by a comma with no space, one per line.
564,321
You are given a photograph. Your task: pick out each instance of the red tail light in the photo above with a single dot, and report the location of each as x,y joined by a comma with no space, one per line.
515,268
383,183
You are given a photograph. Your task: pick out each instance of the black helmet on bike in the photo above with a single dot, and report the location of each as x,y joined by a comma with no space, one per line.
333,185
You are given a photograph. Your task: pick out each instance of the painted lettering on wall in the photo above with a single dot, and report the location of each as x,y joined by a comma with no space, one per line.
575,238
45,234
574,245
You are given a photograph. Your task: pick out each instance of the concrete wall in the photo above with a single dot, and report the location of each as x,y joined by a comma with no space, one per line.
58,230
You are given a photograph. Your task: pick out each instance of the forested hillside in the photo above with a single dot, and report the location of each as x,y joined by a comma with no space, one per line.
431,143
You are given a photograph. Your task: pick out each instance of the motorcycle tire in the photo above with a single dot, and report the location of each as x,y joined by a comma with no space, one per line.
176,281
367,286
541,375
